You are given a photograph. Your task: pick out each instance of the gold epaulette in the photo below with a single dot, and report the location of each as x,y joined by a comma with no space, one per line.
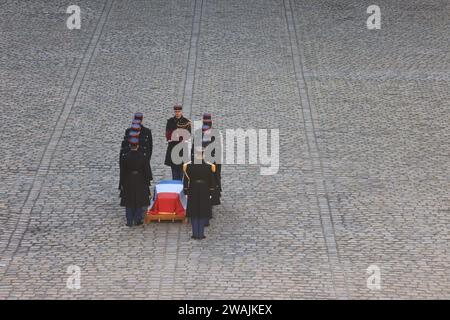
184,125
185,168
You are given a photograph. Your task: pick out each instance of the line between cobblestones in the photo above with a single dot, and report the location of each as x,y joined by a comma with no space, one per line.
187,98
177,254
23,222
188,90
326,219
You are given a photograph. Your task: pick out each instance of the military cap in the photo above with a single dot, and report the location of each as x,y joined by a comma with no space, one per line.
207,119
177,107
138,115
134,134
135,127
133,141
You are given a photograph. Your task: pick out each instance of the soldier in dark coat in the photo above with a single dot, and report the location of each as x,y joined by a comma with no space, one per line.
198,184
207,140
134,177
174,123
145,138
144,135
147,141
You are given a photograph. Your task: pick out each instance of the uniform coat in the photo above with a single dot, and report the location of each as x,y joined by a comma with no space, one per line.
145,141
217,192
134,176
173,124
145,146
198,184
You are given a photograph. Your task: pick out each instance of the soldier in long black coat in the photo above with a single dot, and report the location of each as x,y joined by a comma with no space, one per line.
174,123
145,138
135,188
145,141
198,184
207,140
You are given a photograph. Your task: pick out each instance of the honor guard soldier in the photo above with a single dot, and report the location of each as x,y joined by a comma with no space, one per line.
135,188
145,140
146,143
174,123
198,185
132,132
207,139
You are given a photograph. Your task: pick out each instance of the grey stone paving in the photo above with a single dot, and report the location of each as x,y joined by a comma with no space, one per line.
364,143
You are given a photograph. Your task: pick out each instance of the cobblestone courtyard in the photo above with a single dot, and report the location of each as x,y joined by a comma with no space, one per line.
364,120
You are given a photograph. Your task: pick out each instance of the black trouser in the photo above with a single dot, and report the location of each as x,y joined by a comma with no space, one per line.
198,226
134,215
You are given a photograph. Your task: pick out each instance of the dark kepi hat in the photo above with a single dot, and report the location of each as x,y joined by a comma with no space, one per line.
134,134
133,141
135,127
177,107
207,119
139,115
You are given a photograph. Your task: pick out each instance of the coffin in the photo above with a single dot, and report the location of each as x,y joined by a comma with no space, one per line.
168,202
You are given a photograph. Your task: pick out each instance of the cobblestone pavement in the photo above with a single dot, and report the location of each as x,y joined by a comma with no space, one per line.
364,147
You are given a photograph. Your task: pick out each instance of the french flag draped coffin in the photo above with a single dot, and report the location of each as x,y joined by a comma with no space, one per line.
168,198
